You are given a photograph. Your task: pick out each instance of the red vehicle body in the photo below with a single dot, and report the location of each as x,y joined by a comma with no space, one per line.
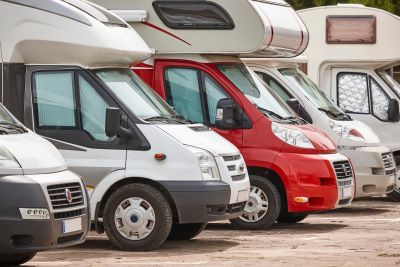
305,178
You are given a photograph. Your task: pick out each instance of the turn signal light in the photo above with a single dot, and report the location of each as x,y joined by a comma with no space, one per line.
301,199
160,156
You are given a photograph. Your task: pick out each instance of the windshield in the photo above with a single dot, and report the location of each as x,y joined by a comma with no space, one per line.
390,81
135,94
259,93
304,84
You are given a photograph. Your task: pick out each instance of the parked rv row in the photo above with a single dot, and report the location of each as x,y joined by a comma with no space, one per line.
171,119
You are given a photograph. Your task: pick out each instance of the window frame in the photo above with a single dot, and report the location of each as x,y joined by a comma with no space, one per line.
369,92
230,26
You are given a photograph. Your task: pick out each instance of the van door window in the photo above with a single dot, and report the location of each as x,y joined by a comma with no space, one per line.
275,85
214,93
183,93
93,111
353,93
55,100
380,101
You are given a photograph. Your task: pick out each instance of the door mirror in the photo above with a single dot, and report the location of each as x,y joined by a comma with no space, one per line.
295,105
393,111
113,124
225,117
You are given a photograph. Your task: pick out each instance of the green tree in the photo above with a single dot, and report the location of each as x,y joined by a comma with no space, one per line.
389,5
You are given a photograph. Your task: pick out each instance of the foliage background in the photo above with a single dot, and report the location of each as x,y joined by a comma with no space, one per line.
389,5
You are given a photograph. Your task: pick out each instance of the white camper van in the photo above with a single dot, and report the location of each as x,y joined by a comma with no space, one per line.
197,69
150,174
350,48
373,163
43,205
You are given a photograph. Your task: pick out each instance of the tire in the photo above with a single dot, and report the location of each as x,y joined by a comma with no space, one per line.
292,217
186,231
15,260
266,218
394,195
137,208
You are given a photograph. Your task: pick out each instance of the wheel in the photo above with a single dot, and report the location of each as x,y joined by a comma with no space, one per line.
394,195
15,260
137,217
263,207
292,217
186,231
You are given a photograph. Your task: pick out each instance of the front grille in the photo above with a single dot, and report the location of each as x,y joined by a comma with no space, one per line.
68,214
231,158
231,168
388,160
345,183
343,169
343,202
58,195
391,172
238,177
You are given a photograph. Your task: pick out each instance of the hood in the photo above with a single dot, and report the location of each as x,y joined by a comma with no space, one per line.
200,136
34,154
319,138
369,135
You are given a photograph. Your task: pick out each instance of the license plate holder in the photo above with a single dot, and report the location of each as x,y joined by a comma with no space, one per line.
243,196
347,192
71,225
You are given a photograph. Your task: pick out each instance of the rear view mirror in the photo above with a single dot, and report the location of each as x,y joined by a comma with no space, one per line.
295,105
393,111
225,118
113,125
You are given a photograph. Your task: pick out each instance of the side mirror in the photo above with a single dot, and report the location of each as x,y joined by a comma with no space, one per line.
295,105
393,111
113,124
225,118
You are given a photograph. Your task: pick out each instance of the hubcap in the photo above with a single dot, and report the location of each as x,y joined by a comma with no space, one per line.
257,206
134,218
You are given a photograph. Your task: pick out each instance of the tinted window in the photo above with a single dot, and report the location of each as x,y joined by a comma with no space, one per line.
193,15
183,92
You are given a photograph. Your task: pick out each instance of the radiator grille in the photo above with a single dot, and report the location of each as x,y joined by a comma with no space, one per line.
64,196
343,170
388,160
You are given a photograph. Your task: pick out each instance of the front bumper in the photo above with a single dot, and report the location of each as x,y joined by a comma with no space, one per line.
203,201
312,176
373,178
20,235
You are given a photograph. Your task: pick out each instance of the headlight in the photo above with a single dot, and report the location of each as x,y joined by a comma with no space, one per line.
207,163
291,136
346,132
7,160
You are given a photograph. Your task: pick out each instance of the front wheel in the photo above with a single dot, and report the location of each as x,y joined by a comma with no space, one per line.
137,217
292,217
186,231
15,260
394,195
263,207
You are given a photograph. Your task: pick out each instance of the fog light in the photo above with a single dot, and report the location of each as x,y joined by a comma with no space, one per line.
34,214
301,199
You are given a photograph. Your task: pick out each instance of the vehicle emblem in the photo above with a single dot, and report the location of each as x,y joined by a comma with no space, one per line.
68,195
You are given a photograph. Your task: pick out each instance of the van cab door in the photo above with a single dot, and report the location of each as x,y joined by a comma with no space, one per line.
194,94
69,109
362,94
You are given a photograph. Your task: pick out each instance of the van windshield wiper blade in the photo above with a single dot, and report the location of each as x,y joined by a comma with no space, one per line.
12,126
269,113
175,118
336,115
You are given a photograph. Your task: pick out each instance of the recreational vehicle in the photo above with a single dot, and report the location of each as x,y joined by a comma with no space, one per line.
294,168
373,163
350,48
43,205
151,174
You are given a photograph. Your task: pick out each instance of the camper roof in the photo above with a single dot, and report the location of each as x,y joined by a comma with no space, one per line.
351,33
69,32
242,27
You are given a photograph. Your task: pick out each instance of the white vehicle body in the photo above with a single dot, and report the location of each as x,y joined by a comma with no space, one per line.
79,45
373,163
353,75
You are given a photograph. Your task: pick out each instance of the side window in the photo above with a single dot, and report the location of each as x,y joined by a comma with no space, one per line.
93,111
380,101
214,93
276,86
54,100
183,93
352,89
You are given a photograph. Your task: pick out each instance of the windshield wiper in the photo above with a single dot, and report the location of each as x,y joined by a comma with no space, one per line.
270,113
176,118
336,115
12,126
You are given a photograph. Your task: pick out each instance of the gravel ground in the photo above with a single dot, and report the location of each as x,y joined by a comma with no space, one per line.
365,234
